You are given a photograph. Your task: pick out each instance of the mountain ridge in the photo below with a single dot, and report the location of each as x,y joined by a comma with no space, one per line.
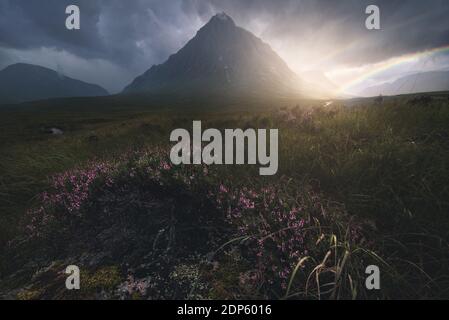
431,81
23,82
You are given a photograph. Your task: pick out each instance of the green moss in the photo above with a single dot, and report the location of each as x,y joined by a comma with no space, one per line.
107,278
29,295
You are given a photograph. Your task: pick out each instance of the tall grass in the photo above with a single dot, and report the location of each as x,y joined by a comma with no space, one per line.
382,169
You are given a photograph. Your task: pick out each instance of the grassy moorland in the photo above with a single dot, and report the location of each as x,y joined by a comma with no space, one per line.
359,183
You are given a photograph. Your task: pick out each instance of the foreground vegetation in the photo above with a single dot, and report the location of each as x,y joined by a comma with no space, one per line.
357,185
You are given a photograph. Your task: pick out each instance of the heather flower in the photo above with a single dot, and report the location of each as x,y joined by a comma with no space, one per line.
223,189
278,226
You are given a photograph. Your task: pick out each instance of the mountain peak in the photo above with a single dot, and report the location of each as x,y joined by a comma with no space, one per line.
222,58
222,18
23,66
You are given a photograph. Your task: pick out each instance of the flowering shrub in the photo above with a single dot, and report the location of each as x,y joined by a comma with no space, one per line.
280,226
280,230
70,191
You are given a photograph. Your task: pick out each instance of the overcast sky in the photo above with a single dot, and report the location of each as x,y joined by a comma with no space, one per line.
121,39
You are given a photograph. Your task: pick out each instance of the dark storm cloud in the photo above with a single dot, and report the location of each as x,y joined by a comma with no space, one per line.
133,35
31,24
116,30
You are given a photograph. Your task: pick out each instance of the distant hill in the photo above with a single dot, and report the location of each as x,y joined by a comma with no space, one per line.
421,82
26,82
221,59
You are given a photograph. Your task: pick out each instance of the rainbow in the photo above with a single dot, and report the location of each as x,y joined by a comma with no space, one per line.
394,62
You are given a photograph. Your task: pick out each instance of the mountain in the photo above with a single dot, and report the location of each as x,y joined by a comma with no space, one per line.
420,82
221,59
26,82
